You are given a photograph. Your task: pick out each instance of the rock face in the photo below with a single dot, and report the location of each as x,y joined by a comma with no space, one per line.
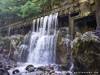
86,53
15,42
9,46
4,43
3,70
1,48
61,46
23,49
23,53
27,38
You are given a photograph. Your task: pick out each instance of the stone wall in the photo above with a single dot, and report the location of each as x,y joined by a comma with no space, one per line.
84,7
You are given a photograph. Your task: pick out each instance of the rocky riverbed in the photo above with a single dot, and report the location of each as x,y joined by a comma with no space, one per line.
41,70
85,53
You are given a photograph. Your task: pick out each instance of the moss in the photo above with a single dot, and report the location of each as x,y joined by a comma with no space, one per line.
87,53
1,40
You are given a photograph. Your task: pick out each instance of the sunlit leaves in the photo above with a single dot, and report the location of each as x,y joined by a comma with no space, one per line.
11,10
28,9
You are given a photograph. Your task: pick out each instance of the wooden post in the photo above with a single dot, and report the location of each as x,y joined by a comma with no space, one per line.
97,2
72,29
69,18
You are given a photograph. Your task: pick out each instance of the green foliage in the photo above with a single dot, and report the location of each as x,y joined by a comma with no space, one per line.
6,6
15,9
12,10
22,8
28,9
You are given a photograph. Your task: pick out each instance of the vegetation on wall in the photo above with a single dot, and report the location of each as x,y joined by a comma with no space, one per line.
13,10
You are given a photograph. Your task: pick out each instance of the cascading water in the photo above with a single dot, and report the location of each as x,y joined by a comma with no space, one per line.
42,48
9,31
69,54
23,53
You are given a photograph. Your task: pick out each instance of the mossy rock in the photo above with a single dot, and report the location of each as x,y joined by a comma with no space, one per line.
87,53
5,42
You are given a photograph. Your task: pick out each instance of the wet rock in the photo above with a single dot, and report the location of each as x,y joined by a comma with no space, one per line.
98,31
4,41
1,71
65,67
1,48
23,53
90,35
68,74
6,73
41,68
10,44
27,37
30,68
1,65
15,71
49,68
7,67
16,40
61,46
46,73
51,72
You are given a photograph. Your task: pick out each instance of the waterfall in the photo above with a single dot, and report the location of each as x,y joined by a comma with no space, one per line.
42,49
69,54
23,53
9,30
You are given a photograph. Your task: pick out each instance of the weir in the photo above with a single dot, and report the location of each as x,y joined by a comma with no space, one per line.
42,49
43,41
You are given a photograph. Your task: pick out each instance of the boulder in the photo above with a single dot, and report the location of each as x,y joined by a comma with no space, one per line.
15,71
86,52
7,67
2,71
49,68
41,68
6,73
51,72
30,68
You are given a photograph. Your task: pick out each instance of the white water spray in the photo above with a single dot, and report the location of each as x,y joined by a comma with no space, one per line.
42,48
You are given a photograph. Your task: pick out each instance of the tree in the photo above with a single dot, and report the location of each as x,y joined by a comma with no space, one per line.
13,10
29,8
